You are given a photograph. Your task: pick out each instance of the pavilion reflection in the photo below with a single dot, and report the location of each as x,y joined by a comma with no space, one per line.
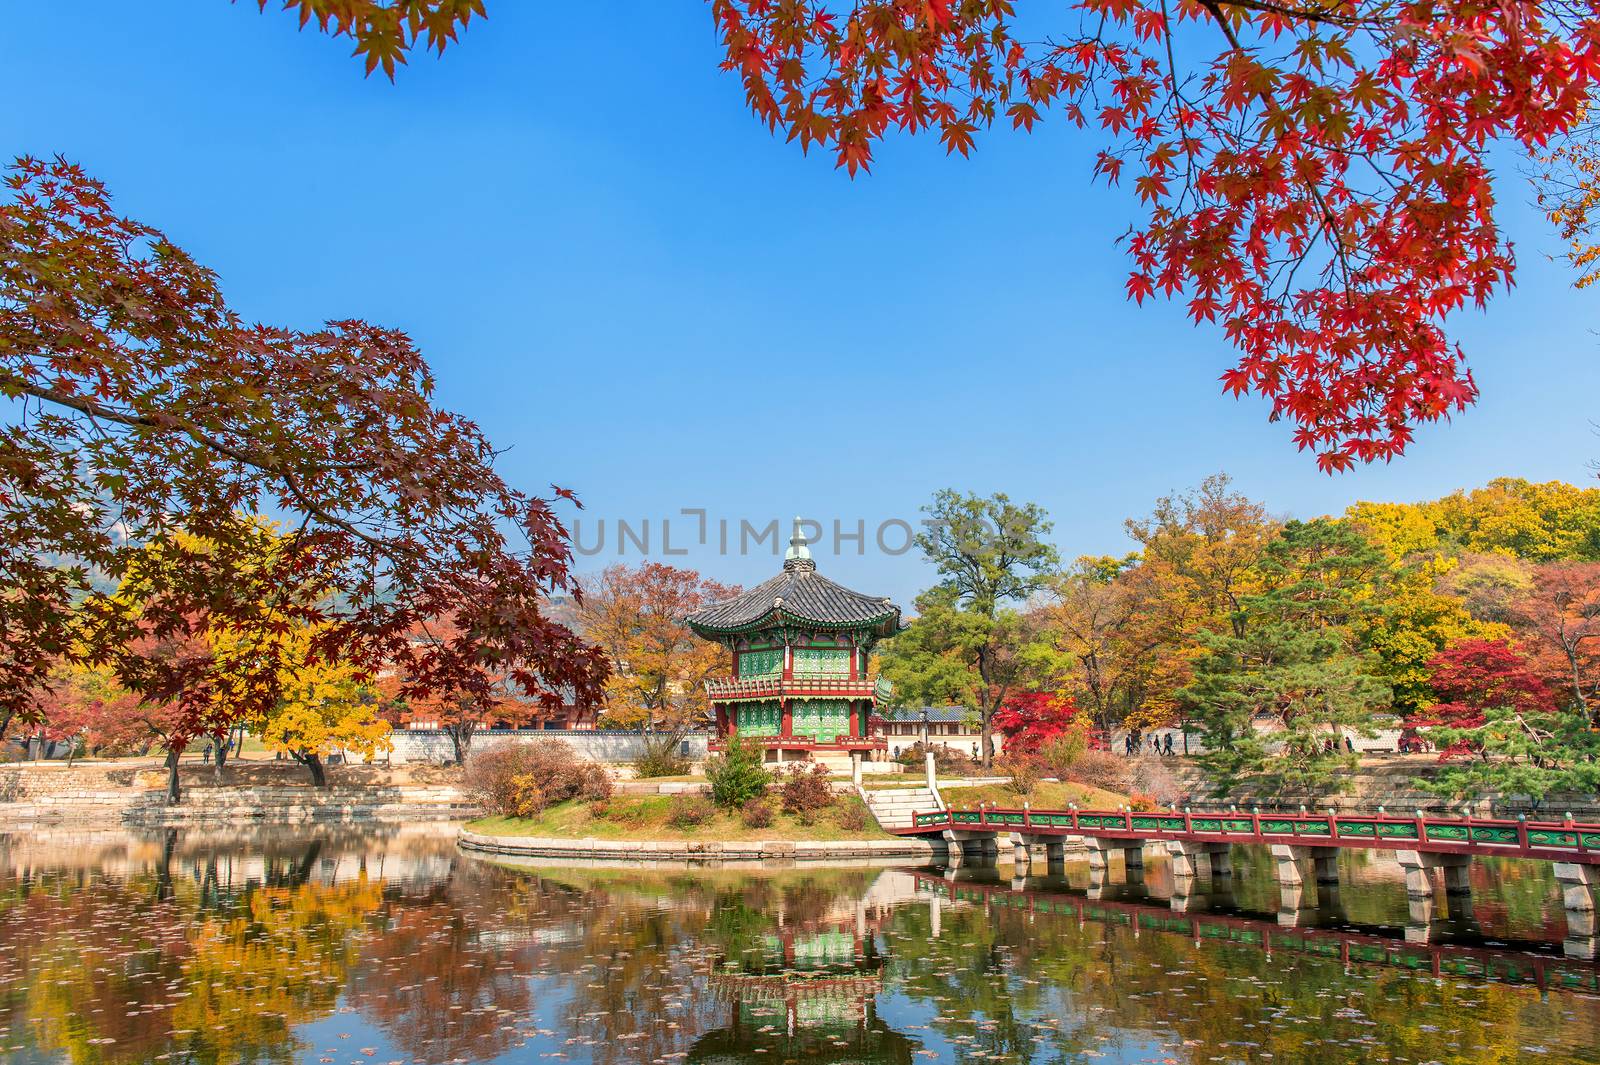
808,991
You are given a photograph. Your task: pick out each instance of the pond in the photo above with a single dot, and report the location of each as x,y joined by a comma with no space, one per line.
391,946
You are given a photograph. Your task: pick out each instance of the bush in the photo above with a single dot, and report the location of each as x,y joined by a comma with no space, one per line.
660,759
807,792
1100,769
689,811
520,780
1060,753
737,776
945,759
1025,771
853,816
757,813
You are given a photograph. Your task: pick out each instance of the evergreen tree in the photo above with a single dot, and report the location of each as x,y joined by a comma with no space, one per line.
1291,660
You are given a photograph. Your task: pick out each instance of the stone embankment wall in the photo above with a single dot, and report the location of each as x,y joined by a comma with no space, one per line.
1394,783
597,745
107,794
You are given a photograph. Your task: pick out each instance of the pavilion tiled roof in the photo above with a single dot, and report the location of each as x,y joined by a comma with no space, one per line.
798,594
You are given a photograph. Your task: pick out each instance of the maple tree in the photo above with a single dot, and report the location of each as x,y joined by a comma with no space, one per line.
1316,175
1559,622
458,708
138,405
323,707
1412,623
1568,182
659,667
1471,678
1031,720
86,704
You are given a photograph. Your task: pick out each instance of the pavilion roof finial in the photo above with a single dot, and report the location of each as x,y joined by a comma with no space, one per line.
799,555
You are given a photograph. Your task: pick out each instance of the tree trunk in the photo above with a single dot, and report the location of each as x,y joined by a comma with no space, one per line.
313,763
174,791
220,745
460,740
5,723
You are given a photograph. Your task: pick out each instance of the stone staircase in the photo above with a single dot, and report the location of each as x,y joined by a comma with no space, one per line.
894,807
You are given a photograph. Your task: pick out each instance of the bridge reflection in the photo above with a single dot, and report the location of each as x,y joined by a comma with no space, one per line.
1451,944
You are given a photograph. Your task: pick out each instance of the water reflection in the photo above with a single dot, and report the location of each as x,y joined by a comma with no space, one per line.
392,947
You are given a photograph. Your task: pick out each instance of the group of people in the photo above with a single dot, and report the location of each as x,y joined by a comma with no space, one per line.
1133,743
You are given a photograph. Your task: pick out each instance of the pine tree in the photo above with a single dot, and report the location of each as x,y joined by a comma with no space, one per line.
1291,660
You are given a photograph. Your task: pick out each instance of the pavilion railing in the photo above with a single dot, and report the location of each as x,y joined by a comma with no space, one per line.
733,689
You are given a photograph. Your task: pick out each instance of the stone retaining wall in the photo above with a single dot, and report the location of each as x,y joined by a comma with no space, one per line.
305,805
707,851
597,745
133,795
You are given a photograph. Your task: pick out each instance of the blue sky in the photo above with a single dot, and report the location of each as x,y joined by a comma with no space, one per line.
628,281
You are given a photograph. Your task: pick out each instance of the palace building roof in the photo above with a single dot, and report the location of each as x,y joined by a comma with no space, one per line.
799,595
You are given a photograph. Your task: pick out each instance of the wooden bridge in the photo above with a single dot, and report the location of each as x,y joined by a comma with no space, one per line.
1555,841
1194,841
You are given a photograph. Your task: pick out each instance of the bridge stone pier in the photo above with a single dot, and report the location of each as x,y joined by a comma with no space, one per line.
962,844
1186,859
1419,867
1580,890
1025,847
1100,851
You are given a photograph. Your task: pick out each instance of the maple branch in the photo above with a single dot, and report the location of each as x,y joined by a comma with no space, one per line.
168,423
1298,13
1222,22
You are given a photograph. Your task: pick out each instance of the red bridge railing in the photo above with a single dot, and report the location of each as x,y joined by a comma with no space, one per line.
1565,840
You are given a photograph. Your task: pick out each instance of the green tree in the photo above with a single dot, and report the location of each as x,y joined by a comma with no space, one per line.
1292,662
1520,750
968,641
952,655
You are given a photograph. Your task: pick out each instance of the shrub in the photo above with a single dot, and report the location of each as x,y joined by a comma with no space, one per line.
1100,769
945,759
1142,802
737,776
1025,771
528,797
757,813
660,760
1060,753
853,815
520,780
807,792
600,809
689,811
